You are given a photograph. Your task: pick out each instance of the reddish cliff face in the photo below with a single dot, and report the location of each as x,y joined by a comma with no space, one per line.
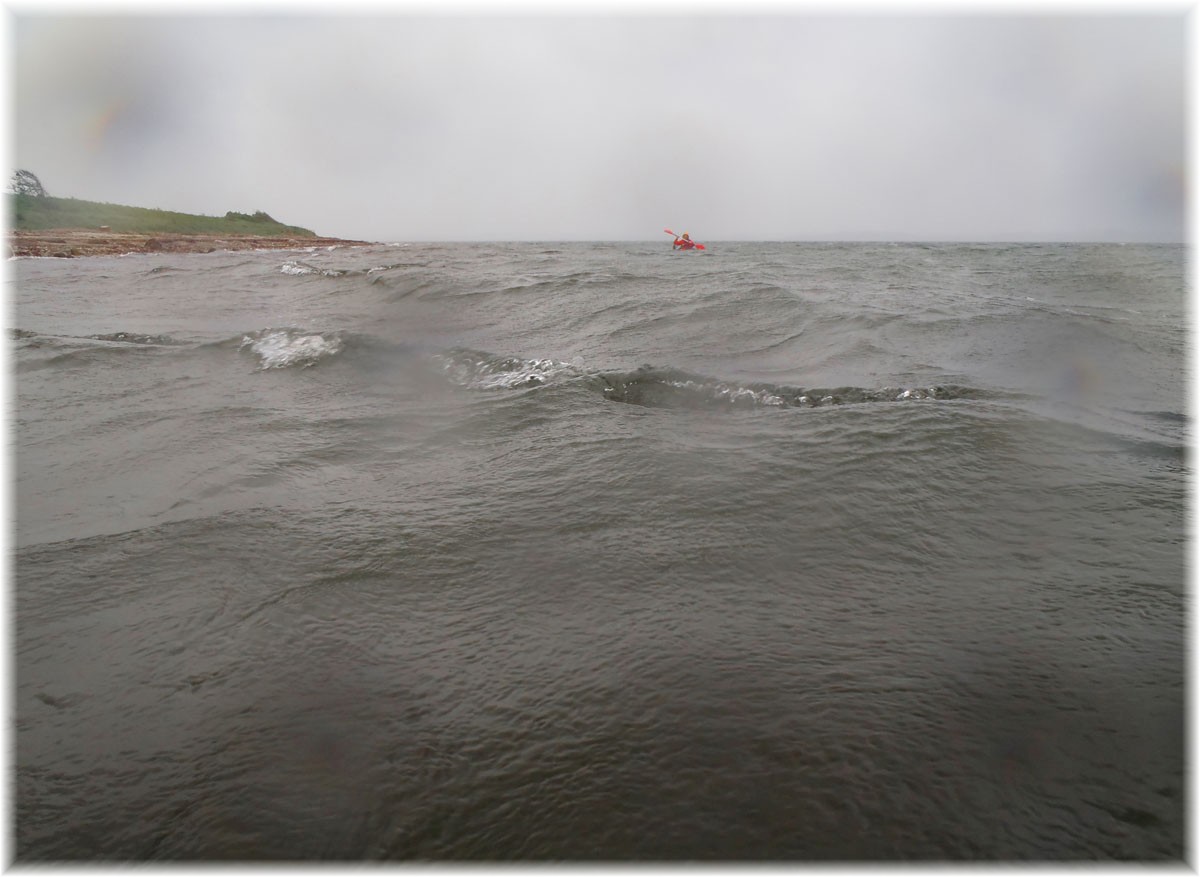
67,243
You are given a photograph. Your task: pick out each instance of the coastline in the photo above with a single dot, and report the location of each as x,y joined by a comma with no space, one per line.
67,243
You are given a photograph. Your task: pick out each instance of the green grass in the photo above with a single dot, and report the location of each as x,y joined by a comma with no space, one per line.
27,213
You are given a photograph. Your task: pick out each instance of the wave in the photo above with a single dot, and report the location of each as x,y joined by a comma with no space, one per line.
298,268
303,269
42,351
556,281
275,348
654,387
107,339
648,386
1178,417
663,387
483,371
136,338
283,348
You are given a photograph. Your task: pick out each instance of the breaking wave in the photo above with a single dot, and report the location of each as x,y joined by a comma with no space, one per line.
303,269
275,348
282,348
657,387
648,386
470,368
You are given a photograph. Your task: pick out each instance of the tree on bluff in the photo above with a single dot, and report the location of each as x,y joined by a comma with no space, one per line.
25,183
257,216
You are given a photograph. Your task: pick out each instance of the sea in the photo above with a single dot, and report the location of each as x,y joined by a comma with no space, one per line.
599,552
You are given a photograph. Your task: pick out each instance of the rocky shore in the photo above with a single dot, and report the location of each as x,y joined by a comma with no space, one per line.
69,243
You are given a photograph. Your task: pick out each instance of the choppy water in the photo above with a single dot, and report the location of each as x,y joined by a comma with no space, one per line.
558,551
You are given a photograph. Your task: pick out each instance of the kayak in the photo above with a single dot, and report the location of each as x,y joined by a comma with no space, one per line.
689,244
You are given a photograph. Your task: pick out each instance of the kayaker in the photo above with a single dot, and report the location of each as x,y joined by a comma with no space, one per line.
683,243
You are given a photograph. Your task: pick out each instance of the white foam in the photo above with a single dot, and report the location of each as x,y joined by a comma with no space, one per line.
281,348
733,394
301,269
506,374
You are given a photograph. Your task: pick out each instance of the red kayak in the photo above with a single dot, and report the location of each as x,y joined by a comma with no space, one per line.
683,243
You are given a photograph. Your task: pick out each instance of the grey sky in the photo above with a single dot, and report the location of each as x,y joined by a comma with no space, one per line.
785,125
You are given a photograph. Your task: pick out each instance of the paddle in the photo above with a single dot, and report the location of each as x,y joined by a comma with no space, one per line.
668,231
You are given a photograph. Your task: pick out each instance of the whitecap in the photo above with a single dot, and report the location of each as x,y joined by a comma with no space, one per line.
487,373
733,394
281,348
303,269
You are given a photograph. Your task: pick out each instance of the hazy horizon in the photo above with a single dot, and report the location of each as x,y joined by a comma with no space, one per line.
798,127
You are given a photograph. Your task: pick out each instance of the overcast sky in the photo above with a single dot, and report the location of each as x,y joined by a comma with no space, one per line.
791,124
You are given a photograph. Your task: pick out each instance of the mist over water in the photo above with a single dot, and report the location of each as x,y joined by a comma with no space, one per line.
810,124
553,551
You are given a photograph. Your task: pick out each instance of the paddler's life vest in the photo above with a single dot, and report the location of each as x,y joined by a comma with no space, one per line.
685,245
